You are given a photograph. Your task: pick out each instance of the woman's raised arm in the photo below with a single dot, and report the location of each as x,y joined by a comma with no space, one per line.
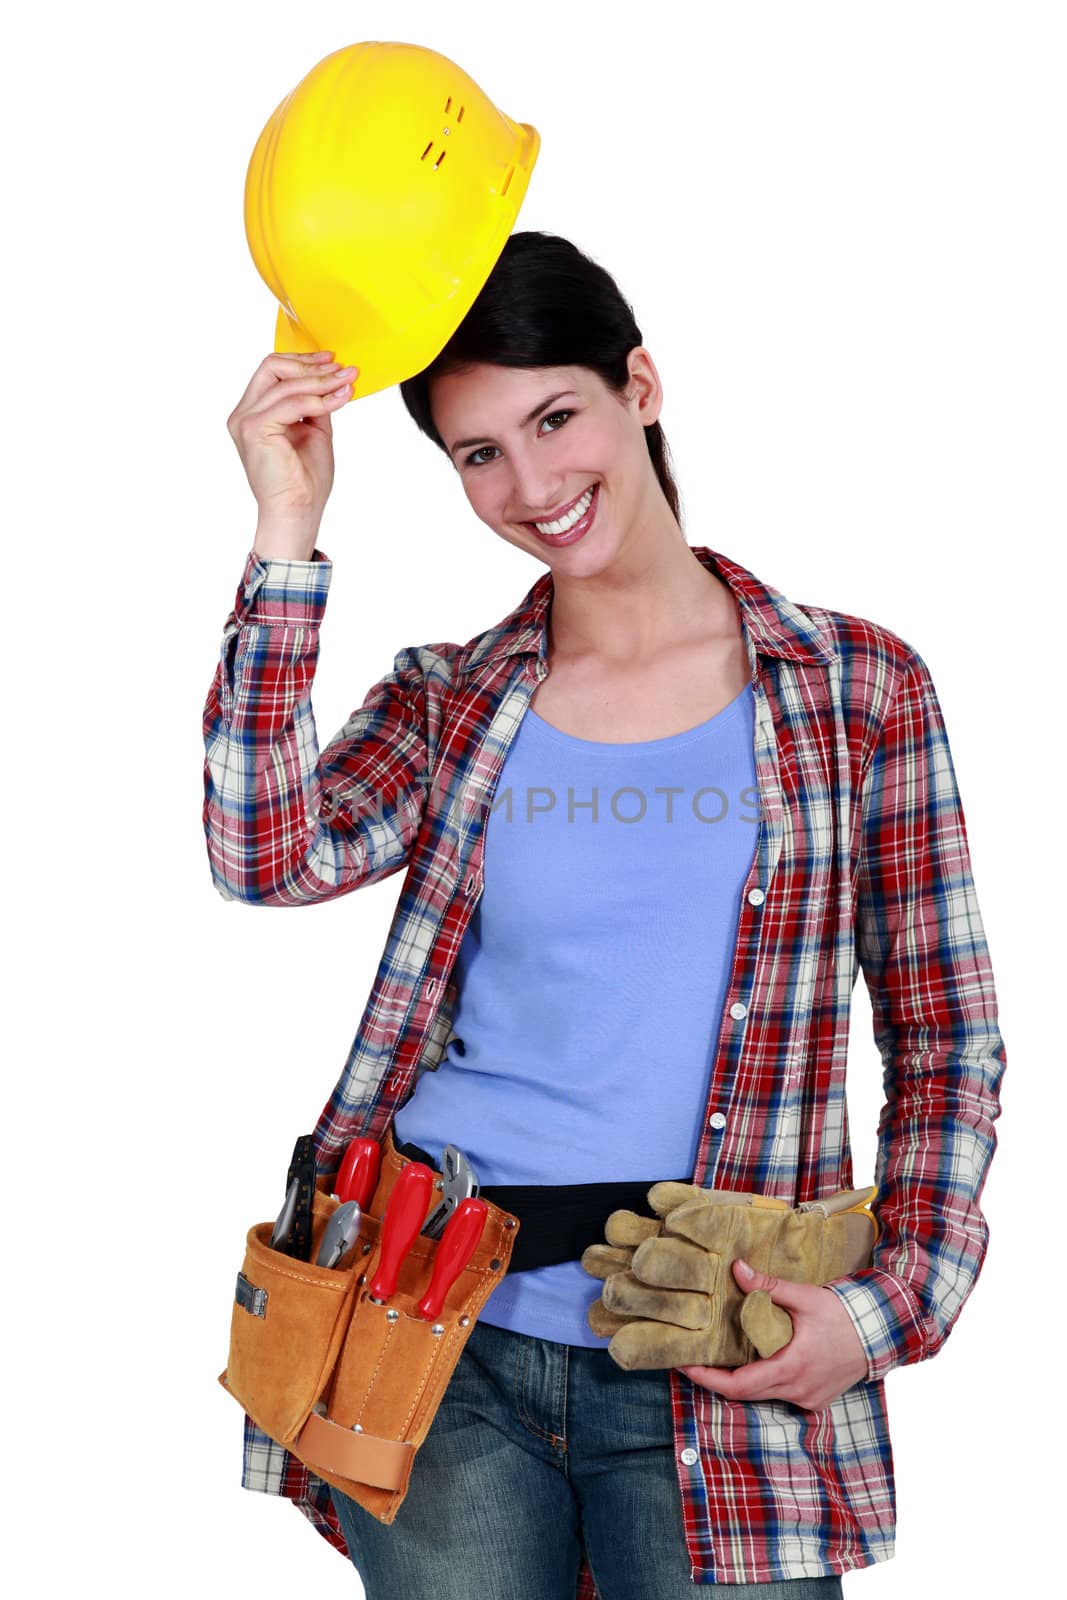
278,832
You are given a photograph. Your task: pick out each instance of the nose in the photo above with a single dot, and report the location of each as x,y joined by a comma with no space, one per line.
534,488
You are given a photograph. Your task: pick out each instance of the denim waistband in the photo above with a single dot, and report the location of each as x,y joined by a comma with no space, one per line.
557,1221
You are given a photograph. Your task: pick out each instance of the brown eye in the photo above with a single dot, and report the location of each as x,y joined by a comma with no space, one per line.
470,461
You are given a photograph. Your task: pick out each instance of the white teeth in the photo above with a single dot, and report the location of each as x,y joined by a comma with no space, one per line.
574,515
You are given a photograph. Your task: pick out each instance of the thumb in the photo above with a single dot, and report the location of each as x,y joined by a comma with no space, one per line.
781,1290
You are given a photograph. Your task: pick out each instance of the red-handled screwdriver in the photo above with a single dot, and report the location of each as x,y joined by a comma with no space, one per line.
458,1243
404,1216
357,1178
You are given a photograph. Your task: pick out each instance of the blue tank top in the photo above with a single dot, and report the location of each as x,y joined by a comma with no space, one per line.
591,978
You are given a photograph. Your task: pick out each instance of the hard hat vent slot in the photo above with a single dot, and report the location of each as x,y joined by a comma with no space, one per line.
440,158
507,179
426,152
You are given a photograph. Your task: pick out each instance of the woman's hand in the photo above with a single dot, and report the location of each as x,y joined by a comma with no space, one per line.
283,431
823,1359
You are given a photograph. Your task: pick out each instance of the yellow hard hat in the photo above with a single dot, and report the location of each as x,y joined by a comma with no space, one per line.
378,198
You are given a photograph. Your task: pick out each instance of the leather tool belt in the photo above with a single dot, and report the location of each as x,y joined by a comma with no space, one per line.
348,1386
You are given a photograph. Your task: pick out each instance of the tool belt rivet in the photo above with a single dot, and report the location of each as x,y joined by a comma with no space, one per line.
495,1266
392,1316
464,1322
510,1222
437,1330
357,1427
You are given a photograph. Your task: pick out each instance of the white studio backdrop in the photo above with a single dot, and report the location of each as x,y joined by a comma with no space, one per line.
841,229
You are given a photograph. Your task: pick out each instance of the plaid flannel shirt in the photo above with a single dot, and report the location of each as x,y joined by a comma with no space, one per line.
861,857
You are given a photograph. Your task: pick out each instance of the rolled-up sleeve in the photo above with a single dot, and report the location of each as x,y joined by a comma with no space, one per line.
925,960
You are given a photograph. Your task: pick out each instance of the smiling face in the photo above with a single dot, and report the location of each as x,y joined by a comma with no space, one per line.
530,443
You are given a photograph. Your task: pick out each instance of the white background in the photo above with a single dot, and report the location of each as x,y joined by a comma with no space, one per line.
841,228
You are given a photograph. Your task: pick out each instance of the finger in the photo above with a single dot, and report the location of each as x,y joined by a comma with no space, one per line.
601,1260
776,1370
324,423
278,364
783,1291
602,1322
721,1378
641,1345
736,1384
768,1327
298,406
626,1228
665,1196
305,381
670,1263
281,364
626,1295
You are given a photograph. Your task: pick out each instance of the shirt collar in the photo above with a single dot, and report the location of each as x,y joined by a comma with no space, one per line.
775,625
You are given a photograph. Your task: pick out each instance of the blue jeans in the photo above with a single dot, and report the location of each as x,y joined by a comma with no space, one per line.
537,1447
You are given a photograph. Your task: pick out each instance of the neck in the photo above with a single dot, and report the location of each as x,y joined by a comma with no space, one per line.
652,595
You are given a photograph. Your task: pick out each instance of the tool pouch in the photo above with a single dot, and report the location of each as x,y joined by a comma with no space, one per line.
349,1387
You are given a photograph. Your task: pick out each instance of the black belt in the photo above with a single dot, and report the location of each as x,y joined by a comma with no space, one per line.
557,1221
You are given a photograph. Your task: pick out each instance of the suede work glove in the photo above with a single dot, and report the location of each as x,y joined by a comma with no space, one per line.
670,1298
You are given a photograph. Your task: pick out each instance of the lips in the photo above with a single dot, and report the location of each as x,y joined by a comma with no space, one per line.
554,516
557,541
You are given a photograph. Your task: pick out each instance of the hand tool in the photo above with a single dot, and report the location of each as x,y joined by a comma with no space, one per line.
461,1183
292,1230
341,1233
285,1217
403,1219
458,1243
357,1177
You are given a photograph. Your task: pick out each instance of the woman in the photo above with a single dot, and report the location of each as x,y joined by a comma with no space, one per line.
650,820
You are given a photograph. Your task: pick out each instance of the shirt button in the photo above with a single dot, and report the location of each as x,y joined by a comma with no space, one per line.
717,1120
756,897
689,1456
738,1010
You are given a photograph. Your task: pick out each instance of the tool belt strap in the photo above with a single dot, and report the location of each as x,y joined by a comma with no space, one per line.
558,1221
381,1462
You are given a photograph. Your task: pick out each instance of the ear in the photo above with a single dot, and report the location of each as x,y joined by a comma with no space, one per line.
645,391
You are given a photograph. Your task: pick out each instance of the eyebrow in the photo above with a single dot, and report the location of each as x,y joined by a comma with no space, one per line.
463,444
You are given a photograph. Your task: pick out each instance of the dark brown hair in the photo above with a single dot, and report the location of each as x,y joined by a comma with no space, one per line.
545,304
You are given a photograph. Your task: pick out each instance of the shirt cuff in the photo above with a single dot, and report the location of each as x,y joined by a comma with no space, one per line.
886,1316
291,593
